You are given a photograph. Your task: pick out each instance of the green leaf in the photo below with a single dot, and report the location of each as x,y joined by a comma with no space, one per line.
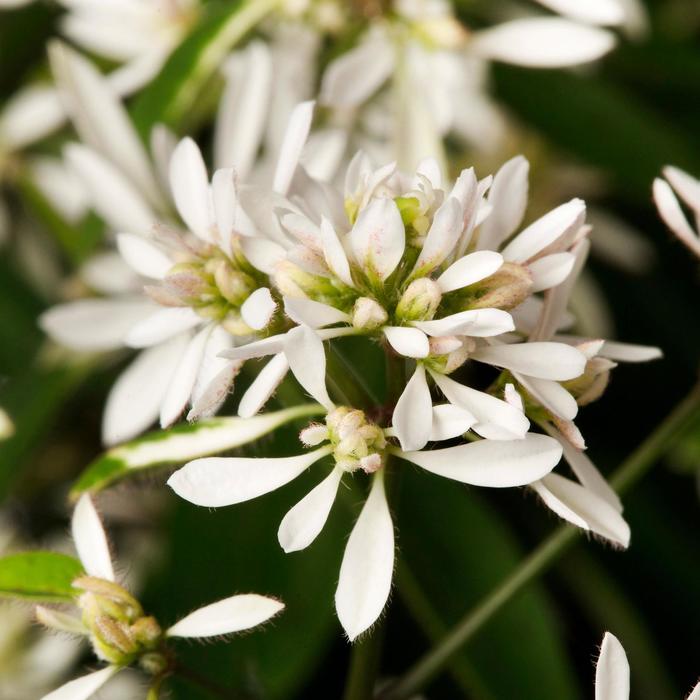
40,576
182,443
171,96
457,549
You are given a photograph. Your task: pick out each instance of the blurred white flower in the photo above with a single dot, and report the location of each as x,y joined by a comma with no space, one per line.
679,183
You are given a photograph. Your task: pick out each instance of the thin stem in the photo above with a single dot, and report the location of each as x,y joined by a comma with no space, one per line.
631,470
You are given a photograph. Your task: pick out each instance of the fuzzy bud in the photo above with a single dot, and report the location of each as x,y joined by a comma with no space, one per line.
505,289
368,315
357,442
591,385
420,301
446,355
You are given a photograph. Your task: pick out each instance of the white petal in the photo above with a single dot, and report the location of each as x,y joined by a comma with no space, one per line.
583,508
32,113
84,687
543,43
673,216
450,422
143,256
190,188
324,152
225,201
223,481
508,199
368,565
313,313
551,270
470,269
555,225
292,146
235,614
60,186
687,186
480,323
550,394
91,541
334,253
627,352
183,380
603,12
413,414
441,238
94,324
612,675
303,229
694,693
135,399
307,360
261,253
496,419
112,196
161,325
543,360
257,310
271,345
357,74
378,238
303,523
264,385
409,342
493,463
240,121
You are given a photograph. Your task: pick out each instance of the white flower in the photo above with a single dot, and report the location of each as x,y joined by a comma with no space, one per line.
688,189
115,624
612,677
357,444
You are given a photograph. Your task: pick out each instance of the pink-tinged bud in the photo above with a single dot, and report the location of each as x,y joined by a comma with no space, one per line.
371,463
420,301
570,431
445,345
448,362
591,385
354,439
314,435
505,289
368,315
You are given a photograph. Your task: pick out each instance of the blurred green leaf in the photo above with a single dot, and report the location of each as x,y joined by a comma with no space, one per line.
182,443
175,91
458,549
40,576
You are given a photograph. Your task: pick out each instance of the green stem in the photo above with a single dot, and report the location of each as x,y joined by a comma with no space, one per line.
631,470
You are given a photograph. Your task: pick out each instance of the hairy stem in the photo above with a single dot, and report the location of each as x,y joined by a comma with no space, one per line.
631,470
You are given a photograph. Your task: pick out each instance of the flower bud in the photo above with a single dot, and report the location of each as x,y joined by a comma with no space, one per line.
233,285
591,385
368,315
313,434
446,356
357,442
505,289
420,301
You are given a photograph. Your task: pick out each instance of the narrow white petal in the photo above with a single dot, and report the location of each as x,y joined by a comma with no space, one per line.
264,385
603,12
32,113
413,414
378,238
543,360
190,188
135,399
91,541
303,523
292,146
409,342
303,229
324,152
334,253
84,687
143,257
257,310
313,314
368,565
496,419
450,422
673,216
271,345
612,676
354,77
262,253
469,270
627,352
479,323
543,42
183,380
441,238
583,508
223,481
492,463
307,360
686,185
551,270
112,196
94,325
557,224
161,325
694,693
235,614
550,394
508,199
225,201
